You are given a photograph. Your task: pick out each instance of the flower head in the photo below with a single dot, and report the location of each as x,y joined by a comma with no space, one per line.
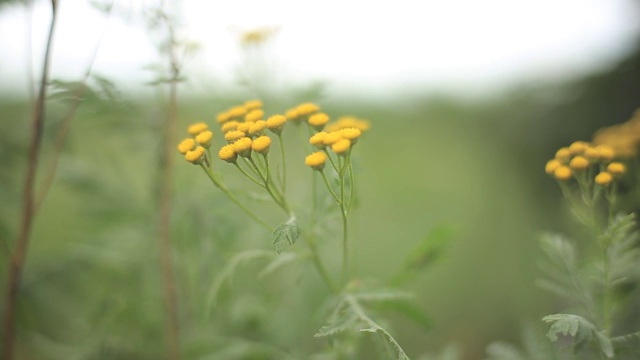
604,178
186,145
306,109
577,147
237,112
229,125
332,138
341,147
205,138
261,144
223,117
257,127
195,156
254,115
563,154
579,163
228,154
233,135
252,104
316,160
275,123
292,114
616,168
317,139
244,127
350,133
242,146
318,120
551,166
197,128
562,173
605,152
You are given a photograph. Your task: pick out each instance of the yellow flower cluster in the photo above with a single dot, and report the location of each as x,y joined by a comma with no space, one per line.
624,138
580,157
194,148
244,128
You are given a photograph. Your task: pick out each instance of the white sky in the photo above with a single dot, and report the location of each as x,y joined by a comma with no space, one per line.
351,44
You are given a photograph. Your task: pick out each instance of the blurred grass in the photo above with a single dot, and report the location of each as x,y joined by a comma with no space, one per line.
92,286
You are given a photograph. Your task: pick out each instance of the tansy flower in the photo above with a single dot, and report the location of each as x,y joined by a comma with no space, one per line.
307,108
229,125
579,163
242,146
316,160
318,120
291,114
223,117
275,123
577,147
254,115
195,156
237,112
227,153
562,173
252,104
563,154
332,138
551,166
205,138
244,127
605,152
257,127
616,168
261,144
604,178
234,135
341,146
350,134
197,128
317,139
591,153
186,145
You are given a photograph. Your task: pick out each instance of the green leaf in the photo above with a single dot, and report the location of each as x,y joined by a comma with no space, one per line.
580,329
285,234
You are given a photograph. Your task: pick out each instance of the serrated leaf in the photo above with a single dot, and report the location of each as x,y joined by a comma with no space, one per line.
580,329
285,235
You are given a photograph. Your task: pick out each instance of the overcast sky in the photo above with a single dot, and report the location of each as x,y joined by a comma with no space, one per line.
350,44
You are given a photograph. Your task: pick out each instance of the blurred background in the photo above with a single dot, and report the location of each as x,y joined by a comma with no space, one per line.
467,101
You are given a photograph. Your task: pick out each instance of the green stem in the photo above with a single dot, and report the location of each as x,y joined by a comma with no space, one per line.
226,191
343,213
283,179
326,183
243,171
279,199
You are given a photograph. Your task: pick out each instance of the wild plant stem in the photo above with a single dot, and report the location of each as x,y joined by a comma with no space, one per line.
172,329
345,239
28,205
284,165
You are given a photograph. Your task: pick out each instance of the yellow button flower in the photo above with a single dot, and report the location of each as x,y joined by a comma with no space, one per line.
341,146
577,147
605,152
307,108
316,160
350,133
195,156
244,127
223,117
237,112
604,178
230,125
317,139
205,138
257,128
579,163
591,153
563,154
254,115
276,123
252,104
562,173
551,166
616,168
261,144
197,128
186,145
234,135
242,146
318,120
228,154
292,114
332,138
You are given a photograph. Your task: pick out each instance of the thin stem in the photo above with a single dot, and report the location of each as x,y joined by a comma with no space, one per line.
28,205
343,212
226,191
278,198
283,179
245,173
326,183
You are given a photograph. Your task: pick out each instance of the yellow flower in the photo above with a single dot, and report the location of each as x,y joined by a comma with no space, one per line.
229,125
275,123
332,138
252,104
291,114
306,109
234,135
551,166
257,127
242,146
244,127
318,120
205,138
197,128
350,134
317,139
605,152
349,122
227,153
579,163
237,112
195,156
341,146
591,153
316,160
223,117
562,173
186,145
261,144
604,178
254,115
616,168
563,154
577,147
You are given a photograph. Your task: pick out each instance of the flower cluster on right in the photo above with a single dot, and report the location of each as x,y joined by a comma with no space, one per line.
584,161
